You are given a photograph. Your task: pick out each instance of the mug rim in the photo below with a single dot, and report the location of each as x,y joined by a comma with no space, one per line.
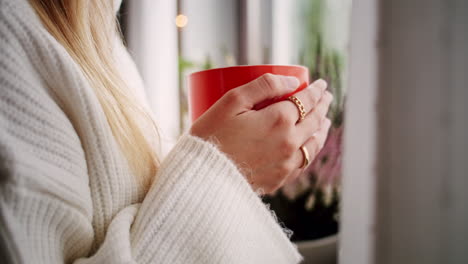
249,66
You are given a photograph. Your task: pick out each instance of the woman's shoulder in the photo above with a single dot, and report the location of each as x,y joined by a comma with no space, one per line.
16,10
36,65
27,50
27,61
37,77
21,61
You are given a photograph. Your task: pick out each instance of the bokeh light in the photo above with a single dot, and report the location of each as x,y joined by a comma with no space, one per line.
181,21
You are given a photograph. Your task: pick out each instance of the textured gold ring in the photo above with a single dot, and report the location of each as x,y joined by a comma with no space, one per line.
300,107
305,153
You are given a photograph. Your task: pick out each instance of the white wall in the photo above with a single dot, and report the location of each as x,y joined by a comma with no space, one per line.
212,25
357,235
152,41
283,46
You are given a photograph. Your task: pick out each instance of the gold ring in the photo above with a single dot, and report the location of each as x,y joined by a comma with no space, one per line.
305,153
300,107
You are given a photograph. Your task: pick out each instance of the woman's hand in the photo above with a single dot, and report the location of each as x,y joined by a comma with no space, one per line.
265,144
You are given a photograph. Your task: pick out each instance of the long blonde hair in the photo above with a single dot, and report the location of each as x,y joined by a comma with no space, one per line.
87,29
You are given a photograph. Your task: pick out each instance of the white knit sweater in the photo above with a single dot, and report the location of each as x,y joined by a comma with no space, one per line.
67,195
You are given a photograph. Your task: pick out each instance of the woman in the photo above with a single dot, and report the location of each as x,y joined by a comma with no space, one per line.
80,181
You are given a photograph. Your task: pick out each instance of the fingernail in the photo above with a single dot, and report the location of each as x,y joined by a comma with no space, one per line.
322,84
290,82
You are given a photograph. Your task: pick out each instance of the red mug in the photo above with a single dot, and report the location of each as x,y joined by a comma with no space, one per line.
206,87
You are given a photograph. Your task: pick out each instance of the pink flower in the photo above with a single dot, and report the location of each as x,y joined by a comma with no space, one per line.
327,165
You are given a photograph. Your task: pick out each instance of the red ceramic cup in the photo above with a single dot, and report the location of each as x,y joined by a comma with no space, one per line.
206,87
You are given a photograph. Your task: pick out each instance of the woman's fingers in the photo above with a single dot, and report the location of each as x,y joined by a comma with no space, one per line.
267,86
311,133
312,122
309,98
313,146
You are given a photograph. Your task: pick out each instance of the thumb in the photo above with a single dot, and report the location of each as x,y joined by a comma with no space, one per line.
267,86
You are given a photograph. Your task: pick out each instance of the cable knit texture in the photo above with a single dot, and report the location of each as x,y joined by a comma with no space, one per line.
67,194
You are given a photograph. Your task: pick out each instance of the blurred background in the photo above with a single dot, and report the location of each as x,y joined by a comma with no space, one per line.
391,187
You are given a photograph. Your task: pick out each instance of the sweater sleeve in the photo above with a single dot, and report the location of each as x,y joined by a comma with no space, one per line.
201,210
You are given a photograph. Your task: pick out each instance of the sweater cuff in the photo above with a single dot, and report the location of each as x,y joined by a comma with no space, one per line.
201,207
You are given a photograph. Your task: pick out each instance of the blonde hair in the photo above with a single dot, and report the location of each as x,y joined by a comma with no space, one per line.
87,29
